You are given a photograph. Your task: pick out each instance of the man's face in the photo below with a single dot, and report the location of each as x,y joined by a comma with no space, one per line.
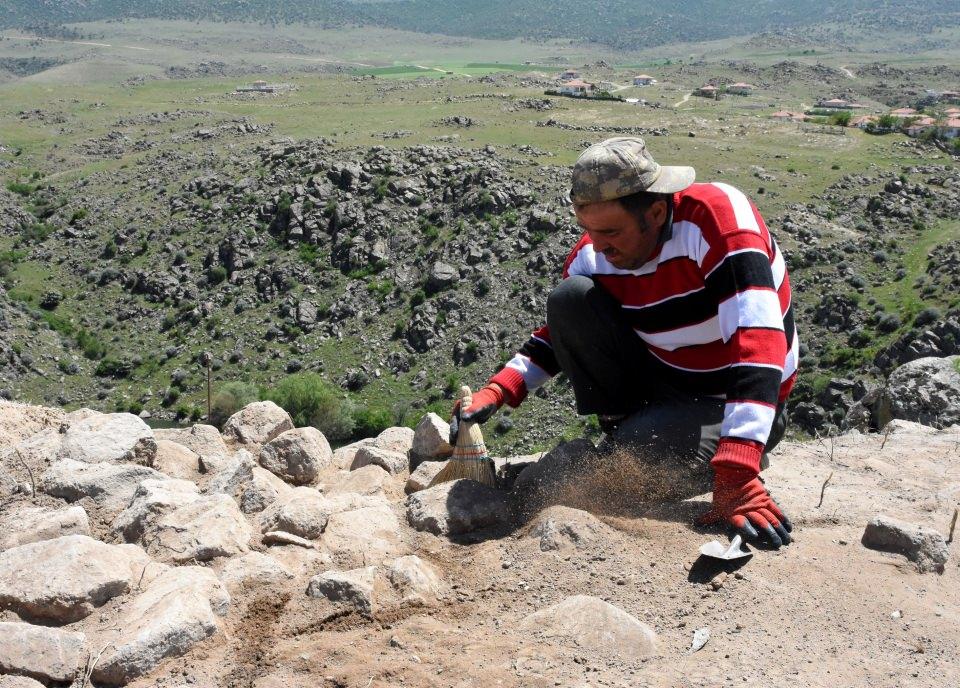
625,240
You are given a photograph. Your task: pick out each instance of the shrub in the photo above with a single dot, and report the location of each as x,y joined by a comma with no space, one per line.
110,249
217,274
20,188
370,421
114,367
926,316
229,399
311,401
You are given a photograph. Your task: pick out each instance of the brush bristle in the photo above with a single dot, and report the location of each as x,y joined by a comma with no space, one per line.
470,460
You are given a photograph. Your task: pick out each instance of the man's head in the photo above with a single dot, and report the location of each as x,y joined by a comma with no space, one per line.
621,198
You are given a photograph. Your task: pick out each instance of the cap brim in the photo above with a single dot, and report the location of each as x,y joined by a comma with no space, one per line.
673,178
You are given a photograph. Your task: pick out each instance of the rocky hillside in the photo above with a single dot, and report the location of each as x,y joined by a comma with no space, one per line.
258,557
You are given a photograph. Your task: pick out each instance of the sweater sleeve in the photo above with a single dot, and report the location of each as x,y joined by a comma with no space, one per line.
738,274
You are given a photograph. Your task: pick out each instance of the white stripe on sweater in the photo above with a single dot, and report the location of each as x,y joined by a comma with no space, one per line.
533,375
750,308
747,420
742,209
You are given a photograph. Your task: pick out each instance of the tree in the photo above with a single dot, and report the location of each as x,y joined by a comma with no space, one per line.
841,119
310,400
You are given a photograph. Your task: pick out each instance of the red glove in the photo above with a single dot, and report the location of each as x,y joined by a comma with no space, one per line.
484,404
741,500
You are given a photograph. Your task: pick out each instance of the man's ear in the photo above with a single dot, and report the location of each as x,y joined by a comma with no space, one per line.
656,214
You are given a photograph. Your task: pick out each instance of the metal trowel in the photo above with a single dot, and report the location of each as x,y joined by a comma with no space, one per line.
716,550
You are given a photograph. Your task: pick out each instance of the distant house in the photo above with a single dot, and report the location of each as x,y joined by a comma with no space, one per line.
643,80
903,112
951,128
864,121
740,88
950,97
835,104
576,87
707,91
787,116
569,75
920,125
261,86
607,86
952,112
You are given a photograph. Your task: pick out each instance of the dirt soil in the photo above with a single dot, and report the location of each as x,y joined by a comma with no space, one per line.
824,611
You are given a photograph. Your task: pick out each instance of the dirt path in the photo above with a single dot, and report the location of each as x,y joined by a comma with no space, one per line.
88,43
685,99
442,71
847,72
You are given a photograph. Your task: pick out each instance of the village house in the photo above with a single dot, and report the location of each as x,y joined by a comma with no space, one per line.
951,128
740,88
952,112
569,75
707,91
607,86
787,116
950,97
835,104
903,112
864,121
919,126
261,86
643,80
576,87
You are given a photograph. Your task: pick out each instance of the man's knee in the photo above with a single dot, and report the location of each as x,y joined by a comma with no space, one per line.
568,300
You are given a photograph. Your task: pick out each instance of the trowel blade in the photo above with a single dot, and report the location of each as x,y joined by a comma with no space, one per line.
717,550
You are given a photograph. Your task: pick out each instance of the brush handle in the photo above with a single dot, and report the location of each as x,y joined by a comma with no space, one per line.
466,397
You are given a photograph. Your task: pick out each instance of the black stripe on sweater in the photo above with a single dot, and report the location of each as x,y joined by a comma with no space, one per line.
738,272
541,354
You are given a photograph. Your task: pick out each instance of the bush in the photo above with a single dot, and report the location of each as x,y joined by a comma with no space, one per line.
114,367
311,401
371,421
217,274
229,399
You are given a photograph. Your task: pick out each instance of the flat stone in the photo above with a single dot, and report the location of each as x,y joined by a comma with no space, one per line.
417,583
430,438
177,524
33,524
19,682
303,512
395,439
391,461
257,423
369,480
360,536
68,577
200,439
924,546
118,437
343,457
595,625
176,611
110,486
279,537
177,461
421,478
297,455
252,570
457,507
48,654
354,587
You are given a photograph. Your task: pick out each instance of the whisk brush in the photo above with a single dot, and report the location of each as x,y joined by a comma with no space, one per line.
470,460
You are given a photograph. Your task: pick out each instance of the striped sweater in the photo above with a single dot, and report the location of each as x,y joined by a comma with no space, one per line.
713,307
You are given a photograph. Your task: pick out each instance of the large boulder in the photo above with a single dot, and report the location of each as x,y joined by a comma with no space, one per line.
200,439
33,524
355,587
233,475
110,486
343,456
252,570
68,577
395,439
264,489
297,455
927,391
177,524
923,546
457,507
109,437
48,654
359,536
417,583
424,474
176,460
303,512
257,423
393,462
593,624
176,611
369,480
430,439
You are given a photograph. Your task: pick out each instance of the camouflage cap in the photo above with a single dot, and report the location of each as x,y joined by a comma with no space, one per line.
622,166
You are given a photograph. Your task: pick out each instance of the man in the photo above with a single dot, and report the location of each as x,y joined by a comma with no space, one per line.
673,324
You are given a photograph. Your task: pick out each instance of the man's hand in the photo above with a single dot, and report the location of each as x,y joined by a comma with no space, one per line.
485,403
740,499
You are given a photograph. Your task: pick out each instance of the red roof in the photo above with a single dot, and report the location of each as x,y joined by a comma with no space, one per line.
577,83
953,123
740,84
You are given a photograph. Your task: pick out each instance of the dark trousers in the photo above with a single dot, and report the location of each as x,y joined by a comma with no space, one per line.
613,373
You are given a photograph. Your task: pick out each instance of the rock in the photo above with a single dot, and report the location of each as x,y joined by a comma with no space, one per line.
177,524
396,439
69,577
421,478
700,638
297,455
280,538
416,582
344,456
430,438
19,682
354,587
441,276
257,423
557,466
391,461
252,570
303,512
563,528
457,507
594,625
110,486
369,480
176,611
109,437
264,489
200,439
232,475
48,654
923,546
176,460
35,524
358,536
927,391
